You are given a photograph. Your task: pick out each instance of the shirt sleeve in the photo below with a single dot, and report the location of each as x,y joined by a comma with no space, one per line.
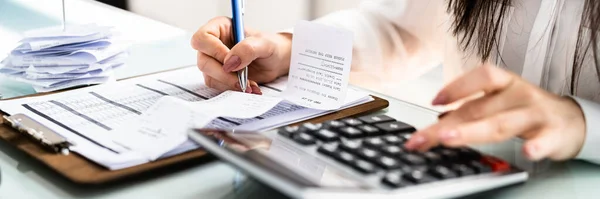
591,147
393,39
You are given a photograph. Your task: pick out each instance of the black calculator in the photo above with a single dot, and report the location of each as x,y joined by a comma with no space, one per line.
363,155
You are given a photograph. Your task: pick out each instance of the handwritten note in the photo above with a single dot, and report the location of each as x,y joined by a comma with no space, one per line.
320,66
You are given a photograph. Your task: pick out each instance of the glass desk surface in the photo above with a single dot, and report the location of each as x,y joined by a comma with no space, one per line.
158,47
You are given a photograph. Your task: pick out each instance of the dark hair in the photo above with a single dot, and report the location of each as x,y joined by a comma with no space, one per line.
478,24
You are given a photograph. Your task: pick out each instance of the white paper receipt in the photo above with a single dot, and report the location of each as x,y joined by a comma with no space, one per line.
161,128
165,125
237,105
320,66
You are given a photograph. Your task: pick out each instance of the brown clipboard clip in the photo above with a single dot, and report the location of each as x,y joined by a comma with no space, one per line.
40,133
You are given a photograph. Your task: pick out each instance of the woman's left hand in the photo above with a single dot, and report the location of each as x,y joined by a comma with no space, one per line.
552,126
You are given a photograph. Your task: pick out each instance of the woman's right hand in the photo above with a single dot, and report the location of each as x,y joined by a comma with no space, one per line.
267,56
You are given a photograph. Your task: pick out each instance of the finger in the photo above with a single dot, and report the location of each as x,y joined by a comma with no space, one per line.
212,38
418,141
249,49
543,144
213,68
255,89
496,128
427,138
444,114
491,104
215,84
487,78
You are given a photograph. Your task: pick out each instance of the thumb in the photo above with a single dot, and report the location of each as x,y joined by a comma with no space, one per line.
546,143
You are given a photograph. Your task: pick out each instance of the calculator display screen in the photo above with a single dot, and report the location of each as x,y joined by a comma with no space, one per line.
282,158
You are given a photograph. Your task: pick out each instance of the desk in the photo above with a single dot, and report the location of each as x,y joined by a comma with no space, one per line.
159,47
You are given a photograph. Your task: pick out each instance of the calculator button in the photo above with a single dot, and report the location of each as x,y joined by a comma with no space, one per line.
334,124
376,119
405,136
412,159
387,163
328,149
395,127
478,167
367,153
304,139
326,135
418,177
351,132
442,172
369,130
375,143
364,166
311,126
288,131
422,168
438,148
393,139
345,157
350,145
462,170
449,155
392,150
395,180
352,122
468,154
432,157
284,133
497,165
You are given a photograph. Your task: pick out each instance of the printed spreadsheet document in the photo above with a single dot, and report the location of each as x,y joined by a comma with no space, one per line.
91,117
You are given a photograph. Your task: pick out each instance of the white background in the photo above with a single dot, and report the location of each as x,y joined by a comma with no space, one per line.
265,15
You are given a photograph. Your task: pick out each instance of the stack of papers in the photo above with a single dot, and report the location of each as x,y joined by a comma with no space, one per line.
53,59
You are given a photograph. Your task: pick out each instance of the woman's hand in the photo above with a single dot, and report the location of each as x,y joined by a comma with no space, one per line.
552,126
266,56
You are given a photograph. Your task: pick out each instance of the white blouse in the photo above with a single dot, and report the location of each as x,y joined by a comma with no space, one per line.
401,39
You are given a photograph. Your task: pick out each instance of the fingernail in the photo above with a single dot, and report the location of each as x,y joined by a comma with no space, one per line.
256,90
415,141
249,89
449,135
440,100
531,151
232,63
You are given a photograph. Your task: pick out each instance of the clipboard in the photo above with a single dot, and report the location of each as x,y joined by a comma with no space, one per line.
80,170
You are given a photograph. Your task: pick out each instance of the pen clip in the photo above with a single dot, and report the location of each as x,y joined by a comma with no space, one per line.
243,7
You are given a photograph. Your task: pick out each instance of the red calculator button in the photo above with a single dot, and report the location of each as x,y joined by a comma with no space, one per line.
496,164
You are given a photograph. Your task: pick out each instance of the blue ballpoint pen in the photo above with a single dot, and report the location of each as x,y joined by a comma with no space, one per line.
237,9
